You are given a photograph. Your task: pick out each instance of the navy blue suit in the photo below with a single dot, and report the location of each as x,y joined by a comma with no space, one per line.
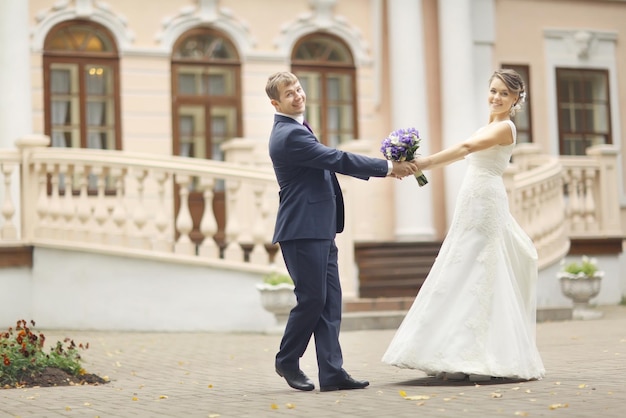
310,214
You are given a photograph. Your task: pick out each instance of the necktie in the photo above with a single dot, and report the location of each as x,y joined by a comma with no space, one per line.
306,124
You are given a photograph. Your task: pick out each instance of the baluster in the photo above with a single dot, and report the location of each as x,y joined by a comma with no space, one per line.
9,230
590,203
161,243
100,212
83,208
119,211
54,210
233,250
42,230
575,202
259,254
139,215
208,225
184,223
66,209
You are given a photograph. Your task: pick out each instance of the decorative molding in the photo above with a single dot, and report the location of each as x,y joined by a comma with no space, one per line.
206,12
96,11
322,19
581,44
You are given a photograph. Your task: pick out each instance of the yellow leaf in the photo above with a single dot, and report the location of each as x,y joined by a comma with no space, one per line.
87,404
274,406
67,408
290,406
402,393
214,415
582,386
417,398
521,414
134,398
496,395
163,397
558,405
210,386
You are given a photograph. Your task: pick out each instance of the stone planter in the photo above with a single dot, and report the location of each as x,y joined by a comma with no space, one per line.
581,289
277,299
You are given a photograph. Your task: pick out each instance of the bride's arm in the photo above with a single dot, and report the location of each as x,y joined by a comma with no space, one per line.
490,136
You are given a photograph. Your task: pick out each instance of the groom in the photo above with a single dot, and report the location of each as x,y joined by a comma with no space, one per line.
310,214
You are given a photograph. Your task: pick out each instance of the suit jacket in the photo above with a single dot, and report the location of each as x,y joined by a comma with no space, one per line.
310,199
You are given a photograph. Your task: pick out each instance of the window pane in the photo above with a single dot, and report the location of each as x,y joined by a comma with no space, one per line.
206,46
100,106
64,105
191,131
200,80
223,128
583,109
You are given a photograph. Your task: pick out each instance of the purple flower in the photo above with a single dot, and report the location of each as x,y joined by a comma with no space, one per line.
401,145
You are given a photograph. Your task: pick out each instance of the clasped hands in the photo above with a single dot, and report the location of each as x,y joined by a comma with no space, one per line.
403,168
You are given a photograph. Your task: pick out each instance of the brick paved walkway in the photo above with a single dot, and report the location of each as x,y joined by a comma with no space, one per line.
231,375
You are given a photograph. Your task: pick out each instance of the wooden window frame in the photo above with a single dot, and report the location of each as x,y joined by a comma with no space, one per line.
81,59
560,100
323,68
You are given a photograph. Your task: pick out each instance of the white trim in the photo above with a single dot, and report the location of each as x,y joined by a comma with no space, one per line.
100,12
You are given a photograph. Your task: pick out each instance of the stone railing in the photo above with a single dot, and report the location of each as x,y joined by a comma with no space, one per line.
558,199
123,203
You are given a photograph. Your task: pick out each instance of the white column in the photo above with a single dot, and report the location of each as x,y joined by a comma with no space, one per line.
413,204
458,90
15,89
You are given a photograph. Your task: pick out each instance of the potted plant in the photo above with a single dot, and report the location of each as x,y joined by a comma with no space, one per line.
277,296
580,281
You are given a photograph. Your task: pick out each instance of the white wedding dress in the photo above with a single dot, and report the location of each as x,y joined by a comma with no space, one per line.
476,312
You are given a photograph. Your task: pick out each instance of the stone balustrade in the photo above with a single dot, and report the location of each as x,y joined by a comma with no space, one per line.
123,203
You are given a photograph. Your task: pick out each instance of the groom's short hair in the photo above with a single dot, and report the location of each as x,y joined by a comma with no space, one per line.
277,80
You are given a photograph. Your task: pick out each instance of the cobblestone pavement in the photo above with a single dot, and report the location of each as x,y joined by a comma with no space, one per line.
232,375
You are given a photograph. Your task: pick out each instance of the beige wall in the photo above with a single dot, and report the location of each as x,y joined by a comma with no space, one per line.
520,26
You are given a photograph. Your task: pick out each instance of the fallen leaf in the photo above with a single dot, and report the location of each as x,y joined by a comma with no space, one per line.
67,408
417,398
582,386
163,397
214,415
274,406
558,405
210,386
521,414
290,406
87,404
496,395
403,394
134,398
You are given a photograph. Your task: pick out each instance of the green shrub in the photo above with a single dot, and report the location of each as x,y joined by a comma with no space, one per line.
277,278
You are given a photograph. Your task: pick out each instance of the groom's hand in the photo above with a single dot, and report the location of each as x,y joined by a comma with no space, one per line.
403,168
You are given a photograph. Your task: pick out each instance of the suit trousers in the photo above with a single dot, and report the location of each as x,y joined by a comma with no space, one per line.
312,264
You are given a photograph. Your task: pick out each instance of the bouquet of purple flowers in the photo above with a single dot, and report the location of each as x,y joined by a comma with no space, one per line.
401,145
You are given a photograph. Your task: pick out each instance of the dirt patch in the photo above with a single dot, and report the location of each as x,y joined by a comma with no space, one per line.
52,376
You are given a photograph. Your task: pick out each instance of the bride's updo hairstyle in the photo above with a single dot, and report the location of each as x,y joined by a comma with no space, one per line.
515,84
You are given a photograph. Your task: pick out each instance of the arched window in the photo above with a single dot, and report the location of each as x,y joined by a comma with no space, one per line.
81,87
206,110
206,94
325,67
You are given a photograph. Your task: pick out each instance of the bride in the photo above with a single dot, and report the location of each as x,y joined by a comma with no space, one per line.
475,315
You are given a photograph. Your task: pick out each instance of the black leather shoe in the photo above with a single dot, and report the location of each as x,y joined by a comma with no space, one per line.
346,383
296,379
